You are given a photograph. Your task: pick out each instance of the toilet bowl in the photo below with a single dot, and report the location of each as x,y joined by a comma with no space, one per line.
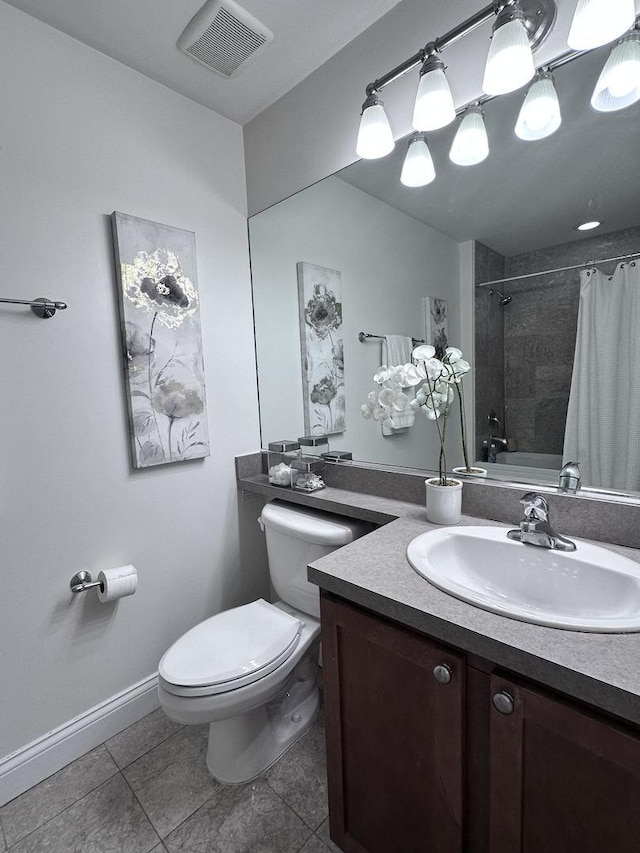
251,672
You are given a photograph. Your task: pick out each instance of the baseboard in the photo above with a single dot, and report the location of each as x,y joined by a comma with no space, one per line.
39,759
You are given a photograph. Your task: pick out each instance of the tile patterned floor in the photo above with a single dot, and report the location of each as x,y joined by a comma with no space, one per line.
147,790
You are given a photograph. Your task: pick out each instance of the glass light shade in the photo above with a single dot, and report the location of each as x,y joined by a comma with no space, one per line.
510,61
418,169
619,83
598,22
434,104
540,113
471,144
374,136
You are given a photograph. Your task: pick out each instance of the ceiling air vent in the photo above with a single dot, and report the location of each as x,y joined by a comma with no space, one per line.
223,36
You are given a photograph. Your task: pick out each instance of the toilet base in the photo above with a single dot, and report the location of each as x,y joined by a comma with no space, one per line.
242,747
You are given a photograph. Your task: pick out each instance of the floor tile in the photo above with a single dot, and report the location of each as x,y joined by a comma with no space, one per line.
315,845
300,776
141,737
323,834
39,804
172,781
241,819
108,820
3,846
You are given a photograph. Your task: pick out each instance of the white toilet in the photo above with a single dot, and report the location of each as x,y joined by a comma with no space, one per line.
251,672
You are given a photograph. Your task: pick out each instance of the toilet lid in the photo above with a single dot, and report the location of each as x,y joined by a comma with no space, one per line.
238,644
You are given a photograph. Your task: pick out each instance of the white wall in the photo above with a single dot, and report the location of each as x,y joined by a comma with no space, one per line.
389,262
82,136
311,131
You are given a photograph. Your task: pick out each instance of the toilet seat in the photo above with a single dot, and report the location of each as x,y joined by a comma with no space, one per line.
230,650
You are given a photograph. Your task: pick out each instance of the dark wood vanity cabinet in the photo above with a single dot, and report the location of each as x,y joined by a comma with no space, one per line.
430,750
394,735
562,778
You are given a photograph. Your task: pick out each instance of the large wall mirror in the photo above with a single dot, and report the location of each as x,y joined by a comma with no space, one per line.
495,242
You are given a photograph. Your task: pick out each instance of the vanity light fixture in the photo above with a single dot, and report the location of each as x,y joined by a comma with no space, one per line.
375,138
471,143
588,226
540,113
598,22
619,83
510,61
434,106
418,169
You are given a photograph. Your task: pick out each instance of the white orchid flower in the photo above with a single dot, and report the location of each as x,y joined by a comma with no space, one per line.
423,352
365,411
431,414
400,401
454,354
409,376
385,397
382,374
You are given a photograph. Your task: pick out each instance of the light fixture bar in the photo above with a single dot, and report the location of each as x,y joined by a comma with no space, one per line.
442,42
449,38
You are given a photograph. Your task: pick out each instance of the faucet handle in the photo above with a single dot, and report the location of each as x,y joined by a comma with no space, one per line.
535,507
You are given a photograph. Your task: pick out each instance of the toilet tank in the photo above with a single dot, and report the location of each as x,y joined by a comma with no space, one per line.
296,536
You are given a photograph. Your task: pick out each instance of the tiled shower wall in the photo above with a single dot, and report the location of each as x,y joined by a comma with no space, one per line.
539,332
489,342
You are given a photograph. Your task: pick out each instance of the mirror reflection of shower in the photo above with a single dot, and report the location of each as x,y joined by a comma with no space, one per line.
503,300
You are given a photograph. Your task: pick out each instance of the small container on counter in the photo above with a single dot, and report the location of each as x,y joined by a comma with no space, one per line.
305,474
337,456
314,445
280,456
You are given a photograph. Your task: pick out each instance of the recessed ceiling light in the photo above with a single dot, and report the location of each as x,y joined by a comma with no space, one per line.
588,226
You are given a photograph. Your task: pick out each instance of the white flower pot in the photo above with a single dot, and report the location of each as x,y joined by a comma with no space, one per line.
472,471
444,503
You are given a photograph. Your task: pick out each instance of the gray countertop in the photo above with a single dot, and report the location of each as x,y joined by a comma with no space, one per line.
601,669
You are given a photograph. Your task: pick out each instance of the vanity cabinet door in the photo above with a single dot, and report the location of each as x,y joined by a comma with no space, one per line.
394,735
562,778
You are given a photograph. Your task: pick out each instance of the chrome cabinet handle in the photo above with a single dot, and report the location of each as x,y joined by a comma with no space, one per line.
443,673
503,702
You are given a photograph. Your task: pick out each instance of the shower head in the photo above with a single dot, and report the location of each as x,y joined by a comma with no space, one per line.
504,300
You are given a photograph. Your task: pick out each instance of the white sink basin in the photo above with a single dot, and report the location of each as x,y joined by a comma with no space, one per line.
590,589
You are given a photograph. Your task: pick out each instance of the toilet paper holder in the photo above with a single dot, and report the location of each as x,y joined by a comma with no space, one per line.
82,581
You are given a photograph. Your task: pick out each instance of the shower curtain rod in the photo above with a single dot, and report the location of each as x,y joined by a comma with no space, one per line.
560,269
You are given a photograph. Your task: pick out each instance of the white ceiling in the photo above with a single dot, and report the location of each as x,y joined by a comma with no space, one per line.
143,33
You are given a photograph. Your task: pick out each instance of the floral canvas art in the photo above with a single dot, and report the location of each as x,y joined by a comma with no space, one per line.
162,342
436,324
320,304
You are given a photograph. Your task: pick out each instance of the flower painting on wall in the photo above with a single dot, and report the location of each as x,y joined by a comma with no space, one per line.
162,342
320,304
436,324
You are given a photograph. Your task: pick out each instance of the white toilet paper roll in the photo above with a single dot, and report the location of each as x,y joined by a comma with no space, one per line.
116,583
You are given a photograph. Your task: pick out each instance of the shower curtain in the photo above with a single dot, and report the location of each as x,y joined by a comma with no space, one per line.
603,420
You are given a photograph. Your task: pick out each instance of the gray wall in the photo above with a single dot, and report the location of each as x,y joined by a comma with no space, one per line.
81,136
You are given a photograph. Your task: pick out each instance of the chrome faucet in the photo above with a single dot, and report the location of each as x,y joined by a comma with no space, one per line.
535,528
501,442
569,478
